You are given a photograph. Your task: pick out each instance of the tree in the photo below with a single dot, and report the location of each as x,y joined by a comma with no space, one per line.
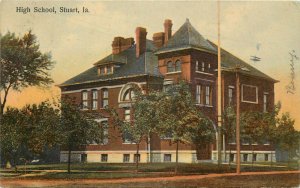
179,117
22,64
26,132
12,135
144,120
287,137
77,128
229,127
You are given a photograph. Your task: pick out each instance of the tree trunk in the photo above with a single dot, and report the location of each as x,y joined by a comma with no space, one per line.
176,166
69,160
137,158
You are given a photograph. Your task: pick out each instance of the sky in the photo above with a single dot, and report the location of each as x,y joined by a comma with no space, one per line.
77,40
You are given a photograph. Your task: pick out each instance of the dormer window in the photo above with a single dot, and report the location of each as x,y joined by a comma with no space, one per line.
103,70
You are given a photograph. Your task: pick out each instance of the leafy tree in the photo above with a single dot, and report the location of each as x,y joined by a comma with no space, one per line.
229,127
12,135
77,128
288,139
144,120
22,64
179,117
26,132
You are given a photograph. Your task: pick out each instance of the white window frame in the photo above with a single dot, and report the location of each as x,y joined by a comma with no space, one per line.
94,99
199,94
265,101
230,95
85,104
203,67
104,97
207,95
242,89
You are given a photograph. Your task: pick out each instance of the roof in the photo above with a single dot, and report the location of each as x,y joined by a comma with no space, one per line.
129,66
229,61
187,37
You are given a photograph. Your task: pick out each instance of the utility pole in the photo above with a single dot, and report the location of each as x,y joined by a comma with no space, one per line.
238,149
219,92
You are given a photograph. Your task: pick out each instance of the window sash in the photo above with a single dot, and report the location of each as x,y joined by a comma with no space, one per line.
170,67
230,95
178,66
198,94
126,158
265,102
207,96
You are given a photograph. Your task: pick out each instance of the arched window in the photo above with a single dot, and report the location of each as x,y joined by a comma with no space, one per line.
170,67
128,95
104,98
178,66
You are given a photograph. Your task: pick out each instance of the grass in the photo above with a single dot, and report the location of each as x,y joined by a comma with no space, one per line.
109,171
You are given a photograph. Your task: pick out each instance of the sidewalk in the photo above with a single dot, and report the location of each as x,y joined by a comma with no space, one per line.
65,182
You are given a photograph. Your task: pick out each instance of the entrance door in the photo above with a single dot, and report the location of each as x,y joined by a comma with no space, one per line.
83,158
203,152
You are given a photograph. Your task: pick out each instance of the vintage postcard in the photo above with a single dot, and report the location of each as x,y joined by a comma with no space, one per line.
149,93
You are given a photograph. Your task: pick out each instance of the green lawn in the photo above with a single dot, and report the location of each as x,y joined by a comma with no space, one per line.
108,171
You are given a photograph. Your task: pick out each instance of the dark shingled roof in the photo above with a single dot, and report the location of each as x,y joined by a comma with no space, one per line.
229,61
187,37
130,66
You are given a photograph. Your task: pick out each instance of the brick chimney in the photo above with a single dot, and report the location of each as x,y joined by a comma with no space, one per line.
159,39
141,34
168,29
120,44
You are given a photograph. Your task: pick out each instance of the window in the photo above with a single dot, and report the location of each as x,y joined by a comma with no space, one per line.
254,156
230,96
95,99
83,158
128,95
137,157
127,115
197,66
265,102
202,67
177,66
104,135
245,157
167,157
104,98
249,94
85,100
108,70
126,158
170,67
266,157
208,96
208,66
198,94
231,157
102,70
104,157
